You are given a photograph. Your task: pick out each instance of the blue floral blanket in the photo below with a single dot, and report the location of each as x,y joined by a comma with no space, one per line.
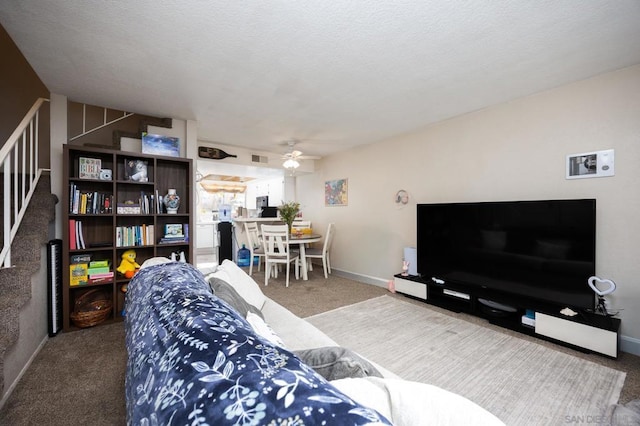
192,360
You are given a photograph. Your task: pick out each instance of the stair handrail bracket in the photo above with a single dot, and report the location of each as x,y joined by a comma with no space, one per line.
21,172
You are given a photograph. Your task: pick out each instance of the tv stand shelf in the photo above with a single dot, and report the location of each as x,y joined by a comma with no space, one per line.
585,331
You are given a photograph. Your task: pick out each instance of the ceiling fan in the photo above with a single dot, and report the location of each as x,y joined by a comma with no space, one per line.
293,157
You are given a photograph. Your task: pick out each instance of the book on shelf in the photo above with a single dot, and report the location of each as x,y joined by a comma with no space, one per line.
72,234
98,270
99,280
78,274
158,203
79,235
164,240
80,258
99,263
101,275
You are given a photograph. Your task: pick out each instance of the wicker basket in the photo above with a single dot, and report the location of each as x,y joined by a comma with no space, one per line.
92,308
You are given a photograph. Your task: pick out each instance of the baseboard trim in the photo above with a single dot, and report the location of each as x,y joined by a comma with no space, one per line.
367,279
33,356
628,344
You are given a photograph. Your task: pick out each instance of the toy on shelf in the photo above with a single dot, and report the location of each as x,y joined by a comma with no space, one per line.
405,268
128,267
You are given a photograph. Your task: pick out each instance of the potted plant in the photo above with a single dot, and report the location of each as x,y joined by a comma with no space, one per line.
288,212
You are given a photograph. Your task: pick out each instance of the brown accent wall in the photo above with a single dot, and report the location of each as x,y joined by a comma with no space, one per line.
20,87
83,118
94,116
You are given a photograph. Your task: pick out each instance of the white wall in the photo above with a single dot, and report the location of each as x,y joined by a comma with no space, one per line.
273,188
513,151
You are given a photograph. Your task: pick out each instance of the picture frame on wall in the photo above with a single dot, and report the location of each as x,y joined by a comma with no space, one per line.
167,146
336,192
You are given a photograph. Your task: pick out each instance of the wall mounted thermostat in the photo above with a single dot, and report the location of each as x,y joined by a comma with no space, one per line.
591,164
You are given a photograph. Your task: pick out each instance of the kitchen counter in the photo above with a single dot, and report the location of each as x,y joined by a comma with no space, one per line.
257,219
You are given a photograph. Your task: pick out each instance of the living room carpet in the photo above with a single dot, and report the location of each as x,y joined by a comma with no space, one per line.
521,382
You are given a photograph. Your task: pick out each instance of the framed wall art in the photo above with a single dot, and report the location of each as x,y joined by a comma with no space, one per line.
160,145
336,192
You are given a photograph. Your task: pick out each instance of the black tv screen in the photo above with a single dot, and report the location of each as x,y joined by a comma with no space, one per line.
543,250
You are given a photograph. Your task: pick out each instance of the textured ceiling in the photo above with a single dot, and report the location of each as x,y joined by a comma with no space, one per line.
332,74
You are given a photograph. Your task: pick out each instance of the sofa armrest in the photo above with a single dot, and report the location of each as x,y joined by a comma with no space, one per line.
298,334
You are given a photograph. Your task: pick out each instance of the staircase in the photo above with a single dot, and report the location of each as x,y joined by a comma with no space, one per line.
28,207
15,282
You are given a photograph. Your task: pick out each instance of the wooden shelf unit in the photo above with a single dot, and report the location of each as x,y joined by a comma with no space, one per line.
99,228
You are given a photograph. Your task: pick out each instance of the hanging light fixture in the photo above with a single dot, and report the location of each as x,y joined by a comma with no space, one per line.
290,163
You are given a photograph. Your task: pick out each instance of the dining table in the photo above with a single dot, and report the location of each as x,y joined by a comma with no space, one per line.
302,240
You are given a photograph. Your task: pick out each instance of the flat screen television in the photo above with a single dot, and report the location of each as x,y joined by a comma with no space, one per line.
541,250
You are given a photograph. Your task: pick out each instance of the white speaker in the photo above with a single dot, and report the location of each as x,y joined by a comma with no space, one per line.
411,256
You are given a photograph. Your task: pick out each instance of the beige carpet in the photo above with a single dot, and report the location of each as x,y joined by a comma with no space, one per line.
521,382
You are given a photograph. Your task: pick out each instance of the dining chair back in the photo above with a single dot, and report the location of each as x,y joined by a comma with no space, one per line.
301,224
277,251
324,252
255,244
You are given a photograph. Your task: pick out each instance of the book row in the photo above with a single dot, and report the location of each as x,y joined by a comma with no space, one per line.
137,235
89,202
76,236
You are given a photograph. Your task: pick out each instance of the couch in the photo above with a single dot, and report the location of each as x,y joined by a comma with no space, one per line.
208,347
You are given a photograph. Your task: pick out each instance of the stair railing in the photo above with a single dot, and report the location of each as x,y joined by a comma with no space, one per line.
19,159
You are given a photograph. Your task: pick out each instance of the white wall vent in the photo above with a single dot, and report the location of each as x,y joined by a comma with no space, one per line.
259,159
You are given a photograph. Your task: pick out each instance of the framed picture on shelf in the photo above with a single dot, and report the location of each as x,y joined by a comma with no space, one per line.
89,168
135,170
173,230
160,145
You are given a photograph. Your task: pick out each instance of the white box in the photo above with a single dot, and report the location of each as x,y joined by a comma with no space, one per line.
575,333
411,256
411,288
528,321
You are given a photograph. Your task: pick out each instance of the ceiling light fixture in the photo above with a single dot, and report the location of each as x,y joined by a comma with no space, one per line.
291,164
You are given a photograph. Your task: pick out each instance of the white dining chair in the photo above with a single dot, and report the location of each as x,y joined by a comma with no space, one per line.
323,253
277,252
301,224
255,244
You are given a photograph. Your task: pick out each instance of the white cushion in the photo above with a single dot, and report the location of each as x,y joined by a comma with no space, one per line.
207,267
154,261
407,403
246,287
262,329
295,332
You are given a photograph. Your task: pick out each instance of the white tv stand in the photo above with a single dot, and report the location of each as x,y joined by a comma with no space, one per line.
586,331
